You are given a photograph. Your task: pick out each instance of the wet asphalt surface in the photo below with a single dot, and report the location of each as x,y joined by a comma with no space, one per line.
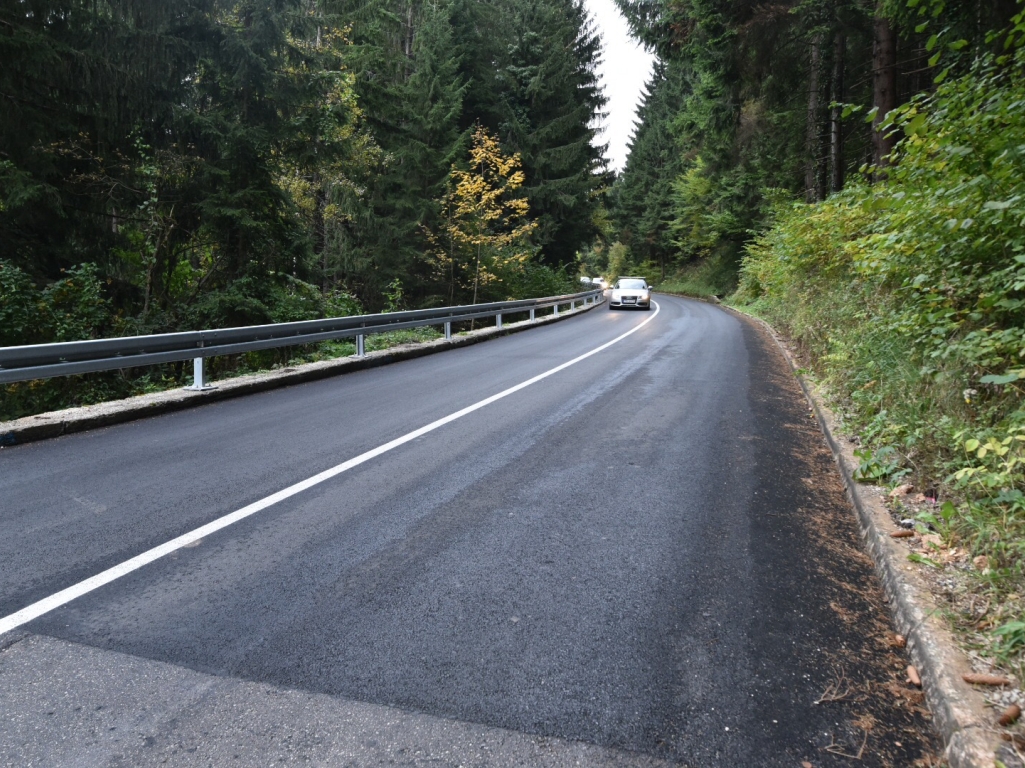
646,558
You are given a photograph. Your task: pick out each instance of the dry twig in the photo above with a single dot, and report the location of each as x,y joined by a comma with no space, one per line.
839,689
836,749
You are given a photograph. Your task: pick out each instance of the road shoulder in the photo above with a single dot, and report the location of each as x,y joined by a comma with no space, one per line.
960,714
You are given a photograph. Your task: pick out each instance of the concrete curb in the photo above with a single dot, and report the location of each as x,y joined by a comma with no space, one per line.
959,712
56,423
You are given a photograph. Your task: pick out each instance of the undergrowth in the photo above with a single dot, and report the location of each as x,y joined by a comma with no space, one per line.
33,397
713,276
908,298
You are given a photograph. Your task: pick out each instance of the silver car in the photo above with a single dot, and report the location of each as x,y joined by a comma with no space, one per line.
630,292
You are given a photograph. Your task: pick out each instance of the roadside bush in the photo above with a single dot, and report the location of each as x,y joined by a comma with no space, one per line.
712,276
908,298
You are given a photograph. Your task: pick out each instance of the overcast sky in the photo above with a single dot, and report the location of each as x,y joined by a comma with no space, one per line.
624,70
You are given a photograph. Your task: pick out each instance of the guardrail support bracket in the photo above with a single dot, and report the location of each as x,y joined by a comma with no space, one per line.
556,311
498,321
531,314
360,351
448,330
198,382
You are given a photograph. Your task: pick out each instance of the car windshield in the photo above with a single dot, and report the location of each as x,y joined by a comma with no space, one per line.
630,284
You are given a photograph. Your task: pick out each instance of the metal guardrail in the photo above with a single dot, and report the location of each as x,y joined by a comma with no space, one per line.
45,361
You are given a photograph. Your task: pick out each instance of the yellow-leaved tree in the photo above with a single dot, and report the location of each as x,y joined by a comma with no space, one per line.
485,234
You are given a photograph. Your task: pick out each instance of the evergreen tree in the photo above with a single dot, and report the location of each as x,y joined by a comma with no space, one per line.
411,92
551,102
643,197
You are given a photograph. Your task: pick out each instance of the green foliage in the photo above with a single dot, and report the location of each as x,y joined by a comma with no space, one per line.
70,309
539,280
712,276
394,297
620,262
20,311
1010,639
168,166
593,261
882,465
909,297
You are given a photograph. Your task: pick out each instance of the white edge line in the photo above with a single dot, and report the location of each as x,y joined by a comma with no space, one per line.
65,596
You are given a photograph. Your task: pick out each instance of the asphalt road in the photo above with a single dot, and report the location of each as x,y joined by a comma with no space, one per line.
645,558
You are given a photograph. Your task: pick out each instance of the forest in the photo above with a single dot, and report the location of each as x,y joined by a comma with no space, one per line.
752,103
199,163
191,164
854,173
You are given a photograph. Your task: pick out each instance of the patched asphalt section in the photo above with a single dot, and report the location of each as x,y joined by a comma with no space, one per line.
114,710
651,553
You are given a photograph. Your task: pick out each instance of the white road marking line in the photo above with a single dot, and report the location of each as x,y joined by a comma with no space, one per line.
65,596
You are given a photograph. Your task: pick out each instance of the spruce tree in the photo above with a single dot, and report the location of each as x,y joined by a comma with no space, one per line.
411,93
551,103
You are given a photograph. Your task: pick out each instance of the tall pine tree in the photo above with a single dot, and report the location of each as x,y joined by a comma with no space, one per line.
551,105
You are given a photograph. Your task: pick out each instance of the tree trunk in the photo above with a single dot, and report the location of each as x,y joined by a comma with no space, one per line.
884,85
476,276
836,160
811,166
407,44
320,232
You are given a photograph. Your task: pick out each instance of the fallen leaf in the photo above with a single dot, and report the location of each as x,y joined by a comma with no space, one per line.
913,677
979,679
981,563
932,541
901,490
902,534
806,764
895,641
1010,715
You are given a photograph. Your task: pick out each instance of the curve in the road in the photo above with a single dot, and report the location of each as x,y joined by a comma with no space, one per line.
65,596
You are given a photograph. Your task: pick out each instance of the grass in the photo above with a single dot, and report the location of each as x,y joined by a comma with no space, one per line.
913,427
706,278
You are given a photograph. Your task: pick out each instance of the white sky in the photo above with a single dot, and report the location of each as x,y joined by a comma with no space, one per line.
624,70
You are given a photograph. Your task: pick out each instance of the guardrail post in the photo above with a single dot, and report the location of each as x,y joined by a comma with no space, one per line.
498,321
359,346
198,382
556,311
531,314
572,305
448,330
